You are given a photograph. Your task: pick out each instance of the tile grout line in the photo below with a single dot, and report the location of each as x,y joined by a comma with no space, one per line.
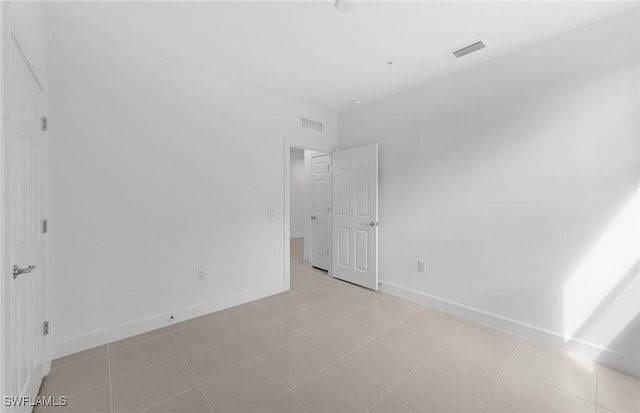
71,363
341,358
292,388
543,382
420,363
171,398
198,385
338,360
495,386
154,364
376,336
259,357
110,381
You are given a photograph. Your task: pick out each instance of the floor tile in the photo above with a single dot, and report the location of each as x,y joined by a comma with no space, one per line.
476,356
142,355
364,298
486,341
391,405
246,318
524,393
269,336
314,296
339,287
369,323
283,305
116,345
437,323
339,307
419,344
468,368
297,361
198,332
191,401
395,309
146,388
618,391
289,402
339,389
77,377
495,407
381,364
82,355
425,392
555,368
299,285
308,321
217,357
96,400
245,388
338,339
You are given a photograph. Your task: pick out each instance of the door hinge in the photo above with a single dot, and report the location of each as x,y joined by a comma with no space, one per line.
328,167
44,123
45,328
45,226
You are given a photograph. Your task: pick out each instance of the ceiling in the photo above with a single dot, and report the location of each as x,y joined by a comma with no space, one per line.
310,52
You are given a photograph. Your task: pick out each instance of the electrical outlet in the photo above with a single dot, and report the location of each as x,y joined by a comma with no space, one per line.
422,266
202,275
271,212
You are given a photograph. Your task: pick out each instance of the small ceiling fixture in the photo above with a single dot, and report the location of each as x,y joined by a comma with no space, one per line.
389,63
343,5
356,101
473,47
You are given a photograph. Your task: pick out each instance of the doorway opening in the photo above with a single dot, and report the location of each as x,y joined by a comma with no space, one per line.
341,235
310,208
306,231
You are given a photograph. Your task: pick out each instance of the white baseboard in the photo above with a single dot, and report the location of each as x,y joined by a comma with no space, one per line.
300,235
64,347
590,351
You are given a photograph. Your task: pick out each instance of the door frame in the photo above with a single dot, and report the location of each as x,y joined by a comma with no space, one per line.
288,144
11,28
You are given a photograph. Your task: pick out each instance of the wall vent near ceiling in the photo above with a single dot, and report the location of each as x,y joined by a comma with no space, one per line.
473,47
311,124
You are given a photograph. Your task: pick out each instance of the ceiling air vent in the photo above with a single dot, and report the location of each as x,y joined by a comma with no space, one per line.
311,124
469,49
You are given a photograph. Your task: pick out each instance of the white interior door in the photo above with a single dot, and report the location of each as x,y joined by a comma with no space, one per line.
24,188
355,216
321,211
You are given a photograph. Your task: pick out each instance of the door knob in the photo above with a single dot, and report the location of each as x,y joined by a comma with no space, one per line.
17,270
313,217
371,224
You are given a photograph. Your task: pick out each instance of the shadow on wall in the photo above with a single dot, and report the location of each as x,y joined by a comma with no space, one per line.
601,299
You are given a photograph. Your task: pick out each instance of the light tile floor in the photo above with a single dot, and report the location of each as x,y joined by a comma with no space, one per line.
328,346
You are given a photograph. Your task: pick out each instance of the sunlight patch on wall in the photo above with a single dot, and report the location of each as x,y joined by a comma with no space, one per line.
604,267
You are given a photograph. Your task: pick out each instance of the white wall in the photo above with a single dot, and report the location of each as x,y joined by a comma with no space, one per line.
504,178
298,193
158,170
